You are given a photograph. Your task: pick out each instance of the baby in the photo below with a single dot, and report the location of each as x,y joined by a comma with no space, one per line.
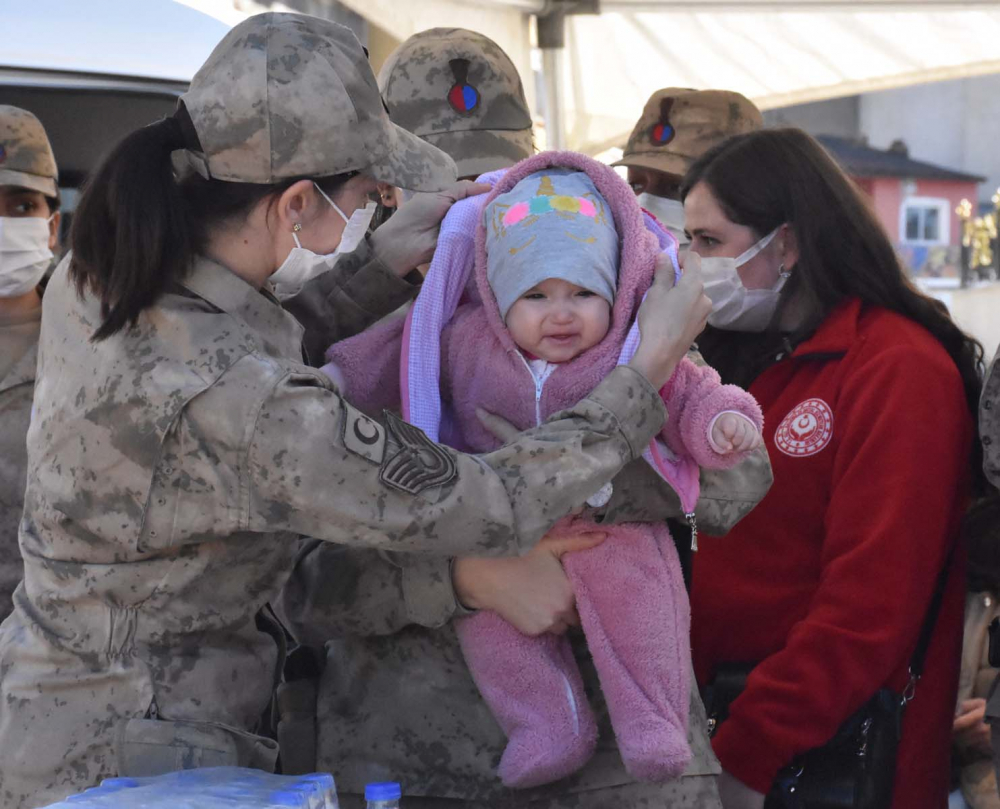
562,257
556,300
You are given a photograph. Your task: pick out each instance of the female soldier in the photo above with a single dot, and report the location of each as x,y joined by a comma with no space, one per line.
179,445
29,225
376,719
870,391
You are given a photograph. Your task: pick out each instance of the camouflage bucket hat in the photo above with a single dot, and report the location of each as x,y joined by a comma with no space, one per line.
288,95
458,90
678,125
26,158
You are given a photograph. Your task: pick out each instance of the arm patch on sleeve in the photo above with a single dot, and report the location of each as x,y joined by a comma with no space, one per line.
412,461
362,435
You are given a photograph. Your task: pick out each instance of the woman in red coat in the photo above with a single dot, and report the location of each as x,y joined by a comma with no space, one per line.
868,390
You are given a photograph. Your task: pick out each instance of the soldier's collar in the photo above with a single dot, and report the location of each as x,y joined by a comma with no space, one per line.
258,309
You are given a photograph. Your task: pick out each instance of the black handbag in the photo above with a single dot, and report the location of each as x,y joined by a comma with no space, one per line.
856,769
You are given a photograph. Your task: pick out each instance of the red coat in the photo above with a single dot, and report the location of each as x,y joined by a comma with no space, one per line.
828,580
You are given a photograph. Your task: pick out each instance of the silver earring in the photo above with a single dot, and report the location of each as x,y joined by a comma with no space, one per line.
296,227
782,272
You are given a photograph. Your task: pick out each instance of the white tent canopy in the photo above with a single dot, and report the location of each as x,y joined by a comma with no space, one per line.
777,52
615,61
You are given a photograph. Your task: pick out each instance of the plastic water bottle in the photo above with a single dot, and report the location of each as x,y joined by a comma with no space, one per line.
383,795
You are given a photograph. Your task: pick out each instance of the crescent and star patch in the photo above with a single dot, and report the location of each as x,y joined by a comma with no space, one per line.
362,436
806,430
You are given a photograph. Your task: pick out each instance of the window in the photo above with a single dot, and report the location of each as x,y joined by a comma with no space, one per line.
925,220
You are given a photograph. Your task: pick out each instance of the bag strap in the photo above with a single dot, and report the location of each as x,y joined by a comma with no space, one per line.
919,657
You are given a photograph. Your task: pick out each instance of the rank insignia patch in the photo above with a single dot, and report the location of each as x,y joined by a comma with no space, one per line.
412,461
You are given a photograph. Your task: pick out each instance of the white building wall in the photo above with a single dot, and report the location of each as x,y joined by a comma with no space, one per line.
838,116
955,124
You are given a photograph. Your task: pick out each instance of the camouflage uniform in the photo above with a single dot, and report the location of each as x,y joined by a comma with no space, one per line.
458,90
16,388
989,432
27,162
174,466
171,471
989,422
396,701
678,125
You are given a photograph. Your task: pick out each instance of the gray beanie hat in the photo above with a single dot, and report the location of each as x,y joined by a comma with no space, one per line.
552,224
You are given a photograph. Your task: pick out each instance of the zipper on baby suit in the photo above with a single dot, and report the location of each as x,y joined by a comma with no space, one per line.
693,522
539,383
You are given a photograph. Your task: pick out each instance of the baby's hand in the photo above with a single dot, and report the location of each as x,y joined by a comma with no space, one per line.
734,433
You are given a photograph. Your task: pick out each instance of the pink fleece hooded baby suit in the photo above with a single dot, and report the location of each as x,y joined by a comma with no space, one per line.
453,356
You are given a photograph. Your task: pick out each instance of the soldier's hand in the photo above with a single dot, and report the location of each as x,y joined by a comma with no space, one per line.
530,592
969,730
408,239
670,319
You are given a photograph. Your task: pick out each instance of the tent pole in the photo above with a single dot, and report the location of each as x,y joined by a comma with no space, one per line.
552,41
555,136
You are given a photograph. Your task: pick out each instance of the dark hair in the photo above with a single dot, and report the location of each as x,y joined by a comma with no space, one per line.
137,228
771,177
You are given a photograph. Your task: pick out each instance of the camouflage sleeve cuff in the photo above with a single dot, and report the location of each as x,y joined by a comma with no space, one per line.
377,289
428,592
635,403
461,611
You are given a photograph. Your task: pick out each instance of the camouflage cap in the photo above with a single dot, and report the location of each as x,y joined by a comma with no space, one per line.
678,125
26,158
458,90
288,95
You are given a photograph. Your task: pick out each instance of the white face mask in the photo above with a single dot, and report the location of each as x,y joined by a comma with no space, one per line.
302,265
735,307
670,212
24,253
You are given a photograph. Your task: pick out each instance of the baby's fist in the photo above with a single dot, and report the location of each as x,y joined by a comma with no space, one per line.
732,432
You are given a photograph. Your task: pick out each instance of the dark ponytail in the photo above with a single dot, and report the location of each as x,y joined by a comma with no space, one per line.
130,237
138,228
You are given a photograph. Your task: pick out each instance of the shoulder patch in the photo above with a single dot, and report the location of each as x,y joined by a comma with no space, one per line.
806,430
412,461
362,435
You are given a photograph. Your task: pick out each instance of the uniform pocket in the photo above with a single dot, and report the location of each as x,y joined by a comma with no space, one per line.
147,747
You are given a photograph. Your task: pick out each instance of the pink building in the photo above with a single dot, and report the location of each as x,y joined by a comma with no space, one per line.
915,201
